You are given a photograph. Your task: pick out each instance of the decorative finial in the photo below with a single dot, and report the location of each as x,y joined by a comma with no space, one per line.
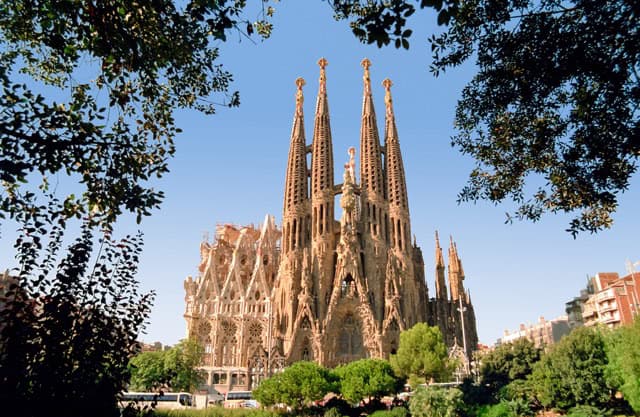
352,162
367,82
322,62
299,96
387,96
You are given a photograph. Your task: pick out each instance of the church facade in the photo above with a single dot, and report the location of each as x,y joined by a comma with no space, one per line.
320,288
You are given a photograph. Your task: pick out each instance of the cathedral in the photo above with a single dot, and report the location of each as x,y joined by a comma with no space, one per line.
320,288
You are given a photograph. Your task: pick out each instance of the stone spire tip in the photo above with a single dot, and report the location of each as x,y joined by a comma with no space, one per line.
322,63
367,81
388,101
299,96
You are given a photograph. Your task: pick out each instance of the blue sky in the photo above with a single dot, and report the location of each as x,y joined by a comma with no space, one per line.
230,168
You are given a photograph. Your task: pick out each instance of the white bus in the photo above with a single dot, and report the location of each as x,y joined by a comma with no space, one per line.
239,399
164,400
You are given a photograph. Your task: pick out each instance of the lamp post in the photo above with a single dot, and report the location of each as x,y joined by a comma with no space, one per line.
462,309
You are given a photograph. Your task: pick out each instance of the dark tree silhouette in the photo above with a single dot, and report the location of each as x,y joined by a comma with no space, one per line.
552,115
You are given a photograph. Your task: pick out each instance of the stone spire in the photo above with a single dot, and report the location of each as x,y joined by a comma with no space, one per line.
322,194
295,193
441,286
456,273
396,184
371,172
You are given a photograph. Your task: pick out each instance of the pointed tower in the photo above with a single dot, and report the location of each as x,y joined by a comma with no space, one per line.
296,200
396,185
398,212
441,286
456,273
373,205
295,230
371,170
322,195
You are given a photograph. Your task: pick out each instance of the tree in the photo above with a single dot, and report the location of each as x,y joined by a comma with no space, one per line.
422,354
297,386
175,369
436,402
509,362
70,327
365,379
114,72
181,366
552,114
573,372
624,361
147,371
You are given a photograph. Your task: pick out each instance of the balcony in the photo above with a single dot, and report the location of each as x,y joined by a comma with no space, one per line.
605,295
610,318
608,307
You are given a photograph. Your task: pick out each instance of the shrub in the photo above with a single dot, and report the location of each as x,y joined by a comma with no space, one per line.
436,402
586,411
332,412
394,412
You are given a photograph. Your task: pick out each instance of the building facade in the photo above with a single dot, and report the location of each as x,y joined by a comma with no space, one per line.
542,334
324,289
615,300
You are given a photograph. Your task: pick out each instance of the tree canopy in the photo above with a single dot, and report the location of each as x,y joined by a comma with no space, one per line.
624,361
296,386
422,354
552,114
365,379
574,372
509,362
69,324
175,368
89,90
436,402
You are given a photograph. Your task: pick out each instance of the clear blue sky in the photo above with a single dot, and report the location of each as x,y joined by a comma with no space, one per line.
230,168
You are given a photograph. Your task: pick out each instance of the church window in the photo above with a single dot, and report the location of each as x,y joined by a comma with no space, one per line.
265,259
256,296
350,344
305,324
347,287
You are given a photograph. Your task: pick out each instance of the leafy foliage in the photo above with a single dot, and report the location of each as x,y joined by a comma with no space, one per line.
573,372
181,365
587,411
176,368
422,354
114,72
69,327
435,402
394,412
147,371
366,378
297,386
508,362
624,361
552,115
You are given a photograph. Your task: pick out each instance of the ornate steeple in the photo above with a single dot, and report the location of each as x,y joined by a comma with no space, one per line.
371,172
456,273
441,286
322,164
396,184
296,191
